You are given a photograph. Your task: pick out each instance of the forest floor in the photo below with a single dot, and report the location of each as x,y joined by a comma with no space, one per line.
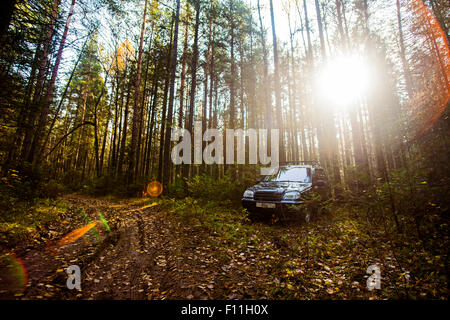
167,249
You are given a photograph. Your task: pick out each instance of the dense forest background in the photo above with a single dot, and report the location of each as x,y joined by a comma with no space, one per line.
91,89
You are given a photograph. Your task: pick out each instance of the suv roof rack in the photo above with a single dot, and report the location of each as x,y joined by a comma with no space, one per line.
300,162
310,162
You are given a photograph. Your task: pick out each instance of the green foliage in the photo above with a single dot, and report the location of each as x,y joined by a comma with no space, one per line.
52,189
409,211
110,185
27,203
208,187
314,203
408,202
22,182
26,184
213,217
177,189
317,261
98,186
25,221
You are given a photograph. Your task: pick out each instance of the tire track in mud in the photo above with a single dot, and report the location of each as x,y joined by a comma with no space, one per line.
44,263
149,255
121,270
115,265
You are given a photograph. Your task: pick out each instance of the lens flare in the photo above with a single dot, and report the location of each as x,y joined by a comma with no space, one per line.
154,189
432,93
343,80
53,247
13,275
105,223
75,235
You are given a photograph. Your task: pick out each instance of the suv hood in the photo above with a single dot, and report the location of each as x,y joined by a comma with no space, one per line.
281,186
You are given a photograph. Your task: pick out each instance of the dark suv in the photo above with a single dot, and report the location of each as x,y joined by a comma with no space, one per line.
287,188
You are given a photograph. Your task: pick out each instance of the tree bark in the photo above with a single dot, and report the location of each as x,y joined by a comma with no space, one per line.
164,110
36,104
7,8
267,98
49,96
136,113
405,64
193,79
277,85
173,68
183,76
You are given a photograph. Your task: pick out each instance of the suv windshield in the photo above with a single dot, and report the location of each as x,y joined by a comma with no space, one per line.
291,174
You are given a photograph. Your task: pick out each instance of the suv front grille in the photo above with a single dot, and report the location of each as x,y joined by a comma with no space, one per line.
267,196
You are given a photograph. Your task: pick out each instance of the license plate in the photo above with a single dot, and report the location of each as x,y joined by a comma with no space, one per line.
265,205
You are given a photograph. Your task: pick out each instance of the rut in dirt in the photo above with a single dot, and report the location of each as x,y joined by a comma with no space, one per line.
119,264
150,255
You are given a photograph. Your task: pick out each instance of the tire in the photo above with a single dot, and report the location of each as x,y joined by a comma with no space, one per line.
254,215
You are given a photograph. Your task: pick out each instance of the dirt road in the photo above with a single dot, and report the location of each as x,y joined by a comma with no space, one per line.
148,254
142,257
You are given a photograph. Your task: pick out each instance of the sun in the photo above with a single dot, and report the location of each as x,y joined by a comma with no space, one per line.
343,79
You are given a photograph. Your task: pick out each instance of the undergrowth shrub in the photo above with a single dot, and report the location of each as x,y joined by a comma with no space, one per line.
51,189
224,188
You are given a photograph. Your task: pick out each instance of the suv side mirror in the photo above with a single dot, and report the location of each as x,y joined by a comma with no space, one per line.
320,183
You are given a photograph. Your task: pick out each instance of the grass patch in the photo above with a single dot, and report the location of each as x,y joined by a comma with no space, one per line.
25,222
220,219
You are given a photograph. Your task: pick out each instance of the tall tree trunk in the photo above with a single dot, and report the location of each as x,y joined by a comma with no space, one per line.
7,8
342,34
205,91
115,123
181,113
164,110
211,77
141,122
190,122
132,169
232,107
150,125
183,76
293,105
49,96
105,136
232,69
308,30
21,122
320,25
307,154
36,104
66,89
328,122
124,130
173,68
96,140
302,29
277,85
405,64
267,98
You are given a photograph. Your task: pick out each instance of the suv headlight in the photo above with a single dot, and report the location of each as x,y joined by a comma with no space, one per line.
248,194
291,195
